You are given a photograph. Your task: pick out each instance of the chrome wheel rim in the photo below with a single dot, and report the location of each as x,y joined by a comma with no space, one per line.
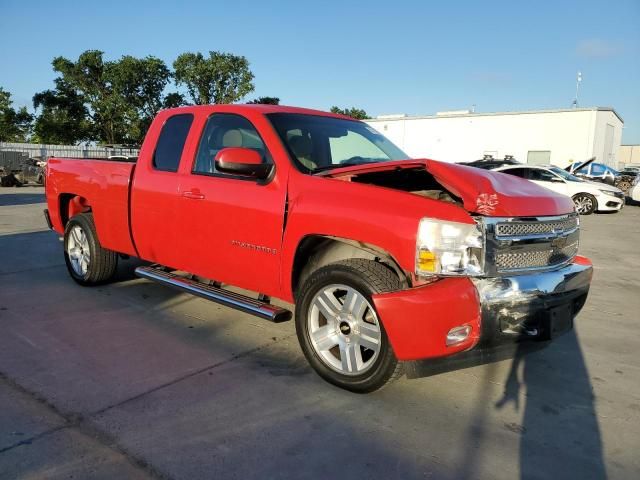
78,251
583,204
344,329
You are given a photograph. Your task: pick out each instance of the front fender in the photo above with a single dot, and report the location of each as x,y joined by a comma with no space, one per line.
385,218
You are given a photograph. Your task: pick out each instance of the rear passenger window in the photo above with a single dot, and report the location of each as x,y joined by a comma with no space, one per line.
171,142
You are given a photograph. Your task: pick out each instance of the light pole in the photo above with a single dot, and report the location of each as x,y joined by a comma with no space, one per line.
578,80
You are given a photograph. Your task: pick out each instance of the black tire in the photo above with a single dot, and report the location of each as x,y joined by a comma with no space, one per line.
367,278
103,263
581,199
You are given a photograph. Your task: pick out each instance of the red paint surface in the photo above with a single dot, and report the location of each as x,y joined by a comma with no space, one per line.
239,155
417,320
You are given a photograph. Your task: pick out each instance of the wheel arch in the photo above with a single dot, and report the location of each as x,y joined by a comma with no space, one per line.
316,251
70,205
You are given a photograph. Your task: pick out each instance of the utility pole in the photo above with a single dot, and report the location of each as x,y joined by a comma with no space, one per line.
578,80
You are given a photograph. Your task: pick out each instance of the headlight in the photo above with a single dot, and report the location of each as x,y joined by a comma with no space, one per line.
449,248
608,192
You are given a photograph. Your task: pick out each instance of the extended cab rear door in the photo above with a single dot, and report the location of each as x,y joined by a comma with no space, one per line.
155,201
231,226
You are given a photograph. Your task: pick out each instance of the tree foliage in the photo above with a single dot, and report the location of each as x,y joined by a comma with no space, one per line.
352,112
63,118
265,101
108,101
114,101
15,125
219,78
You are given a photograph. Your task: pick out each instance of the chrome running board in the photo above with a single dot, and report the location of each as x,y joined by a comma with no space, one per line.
216,294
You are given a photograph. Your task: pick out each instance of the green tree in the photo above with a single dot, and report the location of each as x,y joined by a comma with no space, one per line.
352,112
90,76
15,125
120,98
265,101
63,117
220,78
141,82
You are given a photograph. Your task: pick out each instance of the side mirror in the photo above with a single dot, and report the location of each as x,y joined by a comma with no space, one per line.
242,161
557,180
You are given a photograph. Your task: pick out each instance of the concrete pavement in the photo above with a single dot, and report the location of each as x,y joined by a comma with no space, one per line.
133,380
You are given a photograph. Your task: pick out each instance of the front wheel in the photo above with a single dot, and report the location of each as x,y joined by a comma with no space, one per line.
585,203
87,261
338,327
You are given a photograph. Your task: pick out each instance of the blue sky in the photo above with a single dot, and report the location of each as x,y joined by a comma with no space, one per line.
414,57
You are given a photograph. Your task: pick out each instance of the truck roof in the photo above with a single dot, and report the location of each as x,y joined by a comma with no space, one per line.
239,108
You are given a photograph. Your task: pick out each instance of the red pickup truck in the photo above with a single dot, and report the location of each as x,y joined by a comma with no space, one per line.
387,259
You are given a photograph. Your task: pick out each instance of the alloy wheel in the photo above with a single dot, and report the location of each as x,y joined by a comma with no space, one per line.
344,329
78,251
583,204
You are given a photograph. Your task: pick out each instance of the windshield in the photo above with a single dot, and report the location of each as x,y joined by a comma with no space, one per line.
566,175
319,143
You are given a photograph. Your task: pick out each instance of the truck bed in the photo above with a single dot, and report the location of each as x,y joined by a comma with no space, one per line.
99,185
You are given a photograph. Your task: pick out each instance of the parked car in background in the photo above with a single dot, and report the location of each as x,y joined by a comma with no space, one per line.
599,172
634,191
630,170
16,169
587,196
488,162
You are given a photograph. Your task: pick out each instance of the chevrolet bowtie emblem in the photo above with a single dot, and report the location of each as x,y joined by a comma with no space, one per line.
559,242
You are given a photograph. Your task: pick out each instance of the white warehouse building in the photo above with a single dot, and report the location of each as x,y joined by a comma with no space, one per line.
537,137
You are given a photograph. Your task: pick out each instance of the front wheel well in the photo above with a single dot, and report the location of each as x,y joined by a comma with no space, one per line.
316,251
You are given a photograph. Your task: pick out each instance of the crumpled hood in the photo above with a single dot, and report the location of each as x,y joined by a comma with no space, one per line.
485,192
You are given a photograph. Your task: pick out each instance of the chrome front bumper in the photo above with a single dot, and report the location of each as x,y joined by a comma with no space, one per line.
537,306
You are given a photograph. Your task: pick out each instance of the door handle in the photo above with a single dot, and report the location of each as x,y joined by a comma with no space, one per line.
196,195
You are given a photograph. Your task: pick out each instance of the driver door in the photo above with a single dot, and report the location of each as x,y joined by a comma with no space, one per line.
232,225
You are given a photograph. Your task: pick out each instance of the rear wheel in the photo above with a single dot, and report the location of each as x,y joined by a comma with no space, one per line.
585,203
338,327
88,263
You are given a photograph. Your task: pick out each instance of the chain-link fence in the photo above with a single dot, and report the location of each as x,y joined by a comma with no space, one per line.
43,152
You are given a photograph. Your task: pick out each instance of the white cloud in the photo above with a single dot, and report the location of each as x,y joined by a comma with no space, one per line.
598,48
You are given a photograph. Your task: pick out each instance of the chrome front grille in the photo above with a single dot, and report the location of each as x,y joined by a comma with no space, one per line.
535,259
515,228
534,243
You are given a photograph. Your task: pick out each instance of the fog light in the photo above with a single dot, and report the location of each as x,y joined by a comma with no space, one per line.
458,334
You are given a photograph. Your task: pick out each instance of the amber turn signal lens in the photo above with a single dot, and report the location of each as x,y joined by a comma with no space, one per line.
426,261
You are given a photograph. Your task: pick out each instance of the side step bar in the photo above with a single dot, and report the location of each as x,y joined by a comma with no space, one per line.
233,300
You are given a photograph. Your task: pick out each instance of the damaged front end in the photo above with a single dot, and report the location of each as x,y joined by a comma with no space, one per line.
511,273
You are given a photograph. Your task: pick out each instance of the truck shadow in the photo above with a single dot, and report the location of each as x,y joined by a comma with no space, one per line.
9,199
560,436
549,388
